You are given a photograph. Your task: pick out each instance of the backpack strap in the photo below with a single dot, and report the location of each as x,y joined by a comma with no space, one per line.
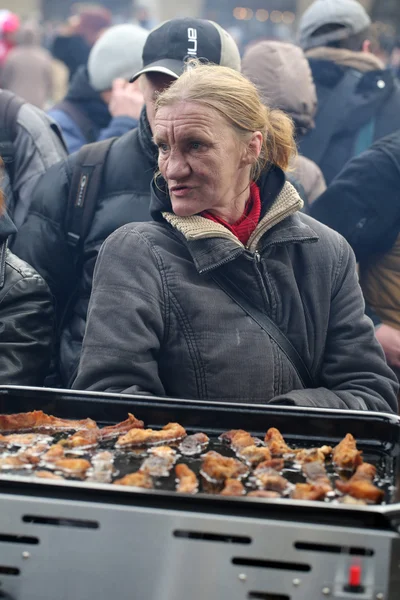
78,116
10,105
84,190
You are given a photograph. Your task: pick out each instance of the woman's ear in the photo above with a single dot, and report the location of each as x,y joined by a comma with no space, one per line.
253,148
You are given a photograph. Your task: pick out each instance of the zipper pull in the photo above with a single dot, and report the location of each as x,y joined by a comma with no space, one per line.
257,256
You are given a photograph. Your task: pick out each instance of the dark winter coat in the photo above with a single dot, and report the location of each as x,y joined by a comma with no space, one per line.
95,121
159,324
41,241
374,101
362,204
26,318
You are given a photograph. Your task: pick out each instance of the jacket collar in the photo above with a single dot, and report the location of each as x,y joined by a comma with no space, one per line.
7,227
212,245
146,139
364,62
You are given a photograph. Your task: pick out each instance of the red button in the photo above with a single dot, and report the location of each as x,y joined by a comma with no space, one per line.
355,576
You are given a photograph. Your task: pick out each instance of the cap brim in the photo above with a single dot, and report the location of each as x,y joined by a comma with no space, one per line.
173,68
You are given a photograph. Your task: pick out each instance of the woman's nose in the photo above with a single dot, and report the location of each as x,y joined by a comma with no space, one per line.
177,166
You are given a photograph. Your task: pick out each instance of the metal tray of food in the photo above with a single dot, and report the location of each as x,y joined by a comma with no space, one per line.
377,436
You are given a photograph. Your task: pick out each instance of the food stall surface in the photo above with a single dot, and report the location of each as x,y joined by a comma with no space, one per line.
91,539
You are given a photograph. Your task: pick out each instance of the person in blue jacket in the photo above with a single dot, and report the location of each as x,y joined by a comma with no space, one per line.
100,103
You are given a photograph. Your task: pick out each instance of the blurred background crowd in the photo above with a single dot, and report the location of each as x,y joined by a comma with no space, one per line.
47,40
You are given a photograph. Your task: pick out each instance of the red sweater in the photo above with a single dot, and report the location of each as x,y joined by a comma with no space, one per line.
244,227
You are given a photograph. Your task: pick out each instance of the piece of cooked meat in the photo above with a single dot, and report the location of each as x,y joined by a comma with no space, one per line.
263,494
194,444
308,491
218,468
112,431
54,453
275,442
233,487
277,464
361,489
148,437
138,479
254,455
87,438
37,419
361,486
14,462
309,455
47,475
24,440
160,463
364,471
187,482
346,455
269,479
33,454
238,438
316,474
73,466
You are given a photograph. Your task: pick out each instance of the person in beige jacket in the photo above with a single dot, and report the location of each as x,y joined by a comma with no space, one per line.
28,69
283,77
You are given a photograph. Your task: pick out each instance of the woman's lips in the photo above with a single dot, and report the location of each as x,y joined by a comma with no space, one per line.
180,191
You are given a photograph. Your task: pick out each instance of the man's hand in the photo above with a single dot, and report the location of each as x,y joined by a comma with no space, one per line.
389,338
126,99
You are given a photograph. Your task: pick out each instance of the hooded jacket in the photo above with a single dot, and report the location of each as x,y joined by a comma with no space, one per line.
349,120
94,121
26,318
41,241
283,78
161,325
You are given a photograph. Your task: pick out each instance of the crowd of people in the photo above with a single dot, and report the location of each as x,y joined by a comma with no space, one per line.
189,222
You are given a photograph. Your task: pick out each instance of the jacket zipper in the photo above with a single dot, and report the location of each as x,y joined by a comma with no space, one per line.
264,292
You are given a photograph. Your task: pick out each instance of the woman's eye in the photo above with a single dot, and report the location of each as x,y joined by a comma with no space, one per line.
195,145
163,148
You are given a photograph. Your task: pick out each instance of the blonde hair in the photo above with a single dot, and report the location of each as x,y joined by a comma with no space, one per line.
238,100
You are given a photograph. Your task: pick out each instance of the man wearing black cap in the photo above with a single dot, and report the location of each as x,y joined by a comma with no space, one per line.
358,100
124,193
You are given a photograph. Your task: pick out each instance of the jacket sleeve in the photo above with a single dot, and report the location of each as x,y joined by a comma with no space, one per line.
120,350
41,240
73,136
353,374
118,126
359,206
26,332
38,147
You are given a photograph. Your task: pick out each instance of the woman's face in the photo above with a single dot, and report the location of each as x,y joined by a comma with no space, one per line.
201,158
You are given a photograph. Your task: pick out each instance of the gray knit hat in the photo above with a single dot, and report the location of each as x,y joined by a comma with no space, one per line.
118,53
349,15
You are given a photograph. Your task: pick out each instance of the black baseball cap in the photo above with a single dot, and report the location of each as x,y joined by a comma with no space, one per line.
170,45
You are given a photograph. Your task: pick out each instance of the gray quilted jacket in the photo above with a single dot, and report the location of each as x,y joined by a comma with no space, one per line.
36,148
159,324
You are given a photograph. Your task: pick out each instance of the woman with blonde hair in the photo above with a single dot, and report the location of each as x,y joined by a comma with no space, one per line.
231,294
26,315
